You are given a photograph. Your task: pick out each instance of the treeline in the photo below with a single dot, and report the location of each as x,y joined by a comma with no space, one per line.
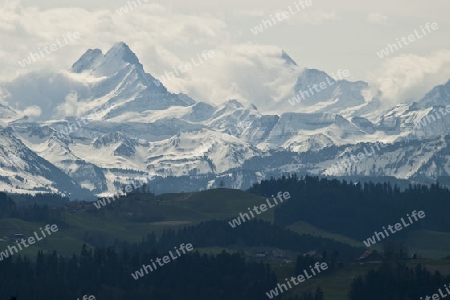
41,198
254,233
397,282
353,209
303,262
107,275
318,295
29,212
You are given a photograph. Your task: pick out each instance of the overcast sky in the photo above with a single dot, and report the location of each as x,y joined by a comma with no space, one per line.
328,35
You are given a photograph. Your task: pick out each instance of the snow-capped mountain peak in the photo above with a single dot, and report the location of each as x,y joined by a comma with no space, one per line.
288,59
87,61
115,122
438,96
99,64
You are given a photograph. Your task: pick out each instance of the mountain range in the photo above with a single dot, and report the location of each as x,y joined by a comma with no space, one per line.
86,131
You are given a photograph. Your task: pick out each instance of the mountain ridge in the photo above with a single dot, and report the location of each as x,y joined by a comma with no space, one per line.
170,134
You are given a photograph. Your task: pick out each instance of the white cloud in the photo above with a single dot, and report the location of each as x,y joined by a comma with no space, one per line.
247,72
33,110
165,35
25,29
313,17
252,13
377,18
71,107
407,77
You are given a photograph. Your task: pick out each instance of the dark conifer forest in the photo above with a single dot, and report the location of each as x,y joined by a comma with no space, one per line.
346,208
353,209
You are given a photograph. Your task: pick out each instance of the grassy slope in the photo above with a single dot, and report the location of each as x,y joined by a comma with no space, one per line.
335,284
187,209
428,243
221,203
178,210
191,208
60,240
306,228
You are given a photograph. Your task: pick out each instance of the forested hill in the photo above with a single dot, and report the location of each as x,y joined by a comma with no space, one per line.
353,209
398,281
255,233
107,274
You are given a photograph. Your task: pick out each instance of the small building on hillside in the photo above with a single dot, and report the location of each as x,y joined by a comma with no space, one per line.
277,253
260,254
313,254
17,237
371,256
